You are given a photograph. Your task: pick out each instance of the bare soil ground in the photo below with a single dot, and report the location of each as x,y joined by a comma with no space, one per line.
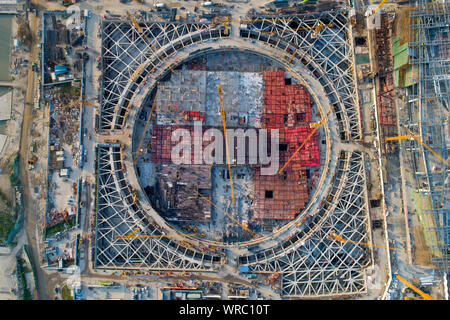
401,24
421,253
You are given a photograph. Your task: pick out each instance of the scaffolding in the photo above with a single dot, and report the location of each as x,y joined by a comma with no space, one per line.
428,107
312,265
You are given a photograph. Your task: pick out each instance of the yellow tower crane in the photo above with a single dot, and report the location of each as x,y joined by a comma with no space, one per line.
222,113
378,7
316,126
417,138
225,213
136,24
74,103
424,295
334,236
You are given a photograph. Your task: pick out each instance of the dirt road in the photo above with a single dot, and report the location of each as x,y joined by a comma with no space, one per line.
30,220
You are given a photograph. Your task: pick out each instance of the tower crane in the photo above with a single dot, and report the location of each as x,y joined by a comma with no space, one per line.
134,235
316,126
136,24
425,296
419,140
334,236
222,113
376,8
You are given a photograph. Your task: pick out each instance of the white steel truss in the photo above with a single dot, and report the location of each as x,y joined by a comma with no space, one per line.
126,50
321,42
309,260
118,215
310,264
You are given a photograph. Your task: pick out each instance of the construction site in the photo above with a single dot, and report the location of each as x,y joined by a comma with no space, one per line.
243,150
290,74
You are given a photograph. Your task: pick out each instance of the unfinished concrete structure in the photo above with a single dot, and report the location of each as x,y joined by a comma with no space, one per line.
316,49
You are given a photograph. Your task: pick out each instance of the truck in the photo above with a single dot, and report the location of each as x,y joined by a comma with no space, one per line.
32,162
67,3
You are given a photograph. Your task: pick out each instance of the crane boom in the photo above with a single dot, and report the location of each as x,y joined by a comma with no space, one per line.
136,24
334,236
417,138
226,213
378,6
424,295
408,136
134,235
317,126
222,113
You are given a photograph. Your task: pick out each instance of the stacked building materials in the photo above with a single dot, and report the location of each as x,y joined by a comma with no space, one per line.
285,105
280,197
175,196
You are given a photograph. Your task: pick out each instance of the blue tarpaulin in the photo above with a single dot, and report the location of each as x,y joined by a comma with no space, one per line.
60,69
243,269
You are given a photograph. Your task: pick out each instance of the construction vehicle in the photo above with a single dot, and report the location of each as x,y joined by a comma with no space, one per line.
80,242
34,67
425,296
67,3
225,23
32,162
317,29
64,215
191,228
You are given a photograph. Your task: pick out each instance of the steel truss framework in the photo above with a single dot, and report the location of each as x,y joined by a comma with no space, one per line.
310,264
327,53
118,215
128,53
309,260
429,48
